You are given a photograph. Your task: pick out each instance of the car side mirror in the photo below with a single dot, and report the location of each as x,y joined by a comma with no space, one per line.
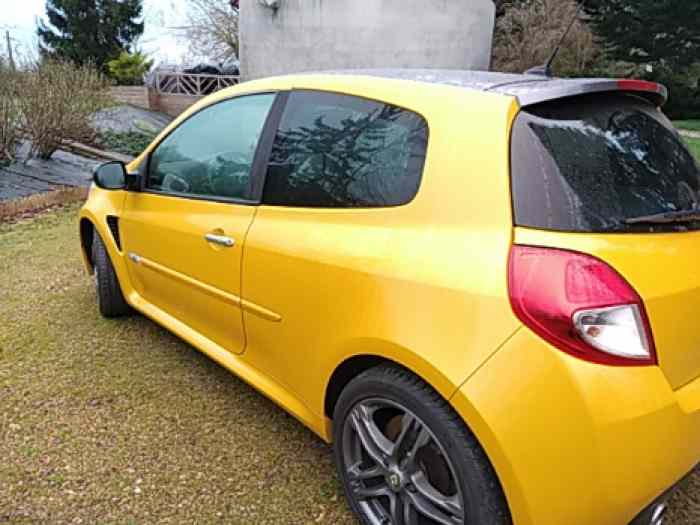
110,176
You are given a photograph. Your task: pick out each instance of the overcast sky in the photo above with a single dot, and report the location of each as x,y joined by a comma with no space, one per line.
160,40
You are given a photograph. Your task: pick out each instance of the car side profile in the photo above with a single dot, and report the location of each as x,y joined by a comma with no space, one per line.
481,288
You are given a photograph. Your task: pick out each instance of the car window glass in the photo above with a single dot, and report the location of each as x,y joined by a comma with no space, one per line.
591,164
336,150
211,153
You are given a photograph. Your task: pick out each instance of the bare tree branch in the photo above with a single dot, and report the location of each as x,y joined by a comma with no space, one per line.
213,29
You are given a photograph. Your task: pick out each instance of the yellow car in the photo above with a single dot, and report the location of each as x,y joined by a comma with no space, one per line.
482,289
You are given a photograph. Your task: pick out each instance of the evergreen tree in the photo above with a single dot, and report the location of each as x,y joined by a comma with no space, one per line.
96,31
663,32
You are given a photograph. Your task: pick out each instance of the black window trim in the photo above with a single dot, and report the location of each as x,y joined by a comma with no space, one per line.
260,159
343,208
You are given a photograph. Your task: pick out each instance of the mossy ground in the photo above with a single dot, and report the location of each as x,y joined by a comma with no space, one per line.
118,421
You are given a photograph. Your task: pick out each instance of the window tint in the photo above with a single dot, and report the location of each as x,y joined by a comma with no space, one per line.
588,164
342,151
211,153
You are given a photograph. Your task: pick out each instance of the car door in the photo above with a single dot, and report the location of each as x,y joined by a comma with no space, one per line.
184,232
320,253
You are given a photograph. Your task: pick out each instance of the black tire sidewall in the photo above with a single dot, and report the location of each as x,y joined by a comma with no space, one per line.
110,299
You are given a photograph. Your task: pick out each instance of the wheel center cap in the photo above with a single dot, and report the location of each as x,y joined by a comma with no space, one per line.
394,480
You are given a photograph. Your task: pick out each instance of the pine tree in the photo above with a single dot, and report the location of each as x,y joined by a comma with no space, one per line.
95,31
648,31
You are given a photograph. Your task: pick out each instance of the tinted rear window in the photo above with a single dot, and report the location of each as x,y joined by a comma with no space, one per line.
341,151
588,164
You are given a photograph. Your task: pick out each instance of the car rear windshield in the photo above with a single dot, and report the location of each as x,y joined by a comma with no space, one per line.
594,164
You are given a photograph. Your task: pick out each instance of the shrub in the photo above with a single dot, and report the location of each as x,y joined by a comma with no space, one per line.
129,143
57,100
9,115
684,91
129,68
528,32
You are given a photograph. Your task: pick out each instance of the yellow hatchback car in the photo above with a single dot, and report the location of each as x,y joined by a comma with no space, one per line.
483,289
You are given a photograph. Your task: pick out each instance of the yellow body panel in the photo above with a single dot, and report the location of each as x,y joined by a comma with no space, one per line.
365,281
423,285
664,270
576,442
177,271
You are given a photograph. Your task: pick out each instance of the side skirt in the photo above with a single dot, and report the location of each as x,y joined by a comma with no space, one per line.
237,365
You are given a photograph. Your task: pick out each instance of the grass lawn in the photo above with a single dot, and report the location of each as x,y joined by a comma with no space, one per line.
688,125
120,422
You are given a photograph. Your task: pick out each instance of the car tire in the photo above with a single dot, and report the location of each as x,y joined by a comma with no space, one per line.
424,446
109,294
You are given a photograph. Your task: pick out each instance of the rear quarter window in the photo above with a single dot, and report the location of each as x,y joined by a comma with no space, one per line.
340,151
591,163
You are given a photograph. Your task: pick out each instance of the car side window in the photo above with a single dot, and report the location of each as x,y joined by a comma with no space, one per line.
211,153
341,151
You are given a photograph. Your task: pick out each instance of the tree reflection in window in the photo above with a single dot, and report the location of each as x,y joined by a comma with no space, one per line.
589,165
341,151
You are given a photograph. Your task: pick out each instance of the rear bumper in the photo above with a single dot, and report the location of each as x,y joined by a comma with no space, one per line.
574,442
655,512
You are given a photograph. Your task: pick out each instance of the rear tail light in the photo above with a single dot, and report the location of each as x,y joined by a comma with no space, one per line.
580,305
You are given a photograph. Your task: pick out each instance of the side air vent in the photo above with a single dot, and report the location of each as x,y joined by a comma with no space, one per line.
113,223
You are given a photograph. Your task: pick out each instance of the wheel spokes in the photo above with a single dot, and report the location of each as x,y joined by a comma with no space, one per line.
433,503
400,510
377,446
409,426
412,438
377,491
357,473
391,477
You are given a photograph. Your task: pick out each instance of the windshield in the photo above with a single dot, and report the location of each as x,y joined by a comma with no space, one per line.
591,164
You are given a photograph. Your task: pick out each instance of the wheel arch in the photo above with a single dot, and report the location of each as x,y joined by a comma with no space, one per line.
346,372
493,447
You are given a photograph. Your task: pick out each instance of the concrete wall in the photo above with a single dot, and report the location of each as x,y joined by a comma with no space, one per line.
308,35
132,95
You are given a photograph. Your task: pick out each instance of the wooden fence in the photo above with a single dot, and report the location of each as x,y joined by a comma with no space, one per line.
178,83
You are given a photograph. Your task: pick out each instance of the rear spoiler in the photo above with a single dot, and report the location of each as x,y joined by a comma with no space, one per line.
536,92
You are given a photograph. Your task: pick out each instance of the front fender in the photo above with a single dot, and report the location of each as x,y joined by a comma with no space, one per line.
100,204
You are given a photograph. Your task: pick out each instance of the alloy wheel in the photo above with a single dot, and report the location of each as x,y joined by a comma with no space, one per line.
397,470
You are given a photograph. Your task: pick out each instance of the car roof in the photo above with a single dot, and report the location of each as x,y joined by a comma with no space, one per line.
529,89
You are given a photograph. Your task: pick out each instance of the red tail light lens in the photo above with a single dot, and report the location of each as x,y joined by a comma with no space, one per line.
580,305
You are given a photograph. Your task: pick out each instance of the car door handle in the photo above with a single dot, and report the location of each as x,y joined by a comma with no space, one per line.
220,239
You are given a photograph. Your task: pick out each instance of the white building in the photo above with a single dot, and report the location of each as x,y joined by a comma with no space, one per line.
313,35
